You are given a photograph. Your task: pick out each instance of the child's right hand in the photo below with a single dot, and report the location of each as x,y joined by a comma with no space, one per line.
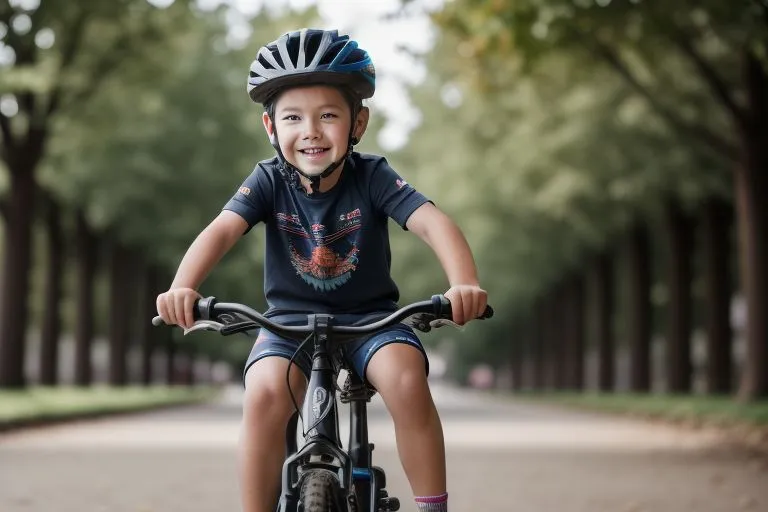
175,306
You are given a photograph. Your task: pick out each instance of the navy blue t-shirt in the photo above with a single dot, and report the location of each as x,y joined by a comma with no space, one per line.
328,252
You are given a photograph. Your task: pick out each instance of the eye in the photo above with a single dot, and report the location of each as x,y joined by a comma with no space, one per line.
291,117
328,115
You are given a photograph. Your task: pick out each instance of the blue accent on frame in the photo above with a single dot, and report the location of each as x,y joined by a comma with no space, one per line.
361,474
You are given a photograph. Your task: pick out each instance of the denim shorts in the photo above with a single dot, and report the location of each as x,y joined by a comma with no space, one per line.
356,354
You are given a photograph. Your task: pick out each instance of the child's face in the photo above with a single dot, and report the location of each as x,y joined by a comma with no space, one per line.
312,125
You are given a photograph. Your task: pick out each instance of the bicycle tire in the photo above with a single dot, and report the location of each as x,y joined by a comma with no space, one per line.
319,489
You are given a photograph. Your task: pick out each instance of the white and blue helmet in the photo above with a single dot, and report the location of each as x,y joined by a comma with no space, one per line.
311,57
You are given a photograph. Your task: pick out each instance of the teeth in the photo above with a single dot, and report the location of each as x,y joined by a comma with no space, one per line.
313,151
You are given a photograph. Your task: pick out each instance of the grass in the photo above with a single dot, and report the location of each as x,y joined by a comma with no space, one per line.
704,410
38,405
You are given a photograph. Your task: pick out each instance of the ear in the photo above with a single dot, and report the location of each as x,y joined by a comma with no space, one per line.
269,127
361,123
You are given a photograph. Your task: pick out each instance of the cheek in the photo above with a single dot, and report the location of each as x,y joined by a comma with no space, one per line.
286,139
341,133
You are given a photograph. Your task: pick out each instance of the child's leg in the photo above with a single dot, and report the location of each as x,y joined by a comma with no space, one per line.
397,371
267,407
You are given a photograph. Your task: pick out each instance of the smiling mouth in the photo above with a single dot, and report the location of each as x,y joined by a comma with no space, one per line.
314,151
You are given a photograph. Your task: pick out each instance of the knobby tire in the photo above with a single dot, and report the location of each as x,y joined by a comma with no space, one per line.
318,492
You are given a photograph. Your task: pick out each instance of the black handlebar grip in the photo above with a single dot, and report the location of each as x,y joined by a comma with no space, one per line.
201,310
442,308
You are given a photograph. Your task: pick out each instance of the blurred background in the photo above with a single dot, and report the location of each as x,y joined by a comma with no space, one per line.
607,161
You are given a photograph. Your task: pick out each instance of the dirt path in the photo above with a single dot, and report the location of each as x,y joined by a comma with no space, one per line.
502,455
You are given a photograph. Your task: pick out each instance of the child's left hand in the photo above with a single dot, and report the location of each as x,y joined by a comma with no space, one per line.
467,302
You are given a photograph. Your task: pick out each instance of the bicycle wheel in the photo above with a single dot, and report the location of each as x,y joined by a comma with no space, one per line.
319,490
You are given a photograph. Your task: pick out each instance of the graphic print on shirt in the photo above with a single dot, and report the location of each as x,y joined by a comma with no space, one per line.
324,258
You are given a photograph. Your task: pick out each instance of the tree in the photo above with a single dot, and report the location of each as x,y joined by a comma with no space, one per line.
62,54
719,102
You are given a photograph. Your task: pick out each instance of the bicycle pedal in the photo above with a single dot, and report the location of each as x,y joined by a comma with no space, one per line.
389,505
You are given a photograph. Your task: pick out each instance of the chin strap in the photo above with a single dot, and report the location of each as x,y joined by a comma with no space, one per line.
291,173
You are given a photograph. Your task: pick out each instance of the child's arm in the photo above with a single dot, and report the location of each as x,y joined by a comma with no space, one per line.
175,305
447,241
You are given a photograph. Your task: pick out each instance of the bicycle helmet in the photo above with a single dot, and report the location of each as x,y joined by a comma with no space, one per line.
311,57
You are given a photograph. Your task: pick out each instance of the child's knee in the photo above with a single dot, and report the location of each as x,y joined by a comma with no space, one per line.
410,382
266,395
406,389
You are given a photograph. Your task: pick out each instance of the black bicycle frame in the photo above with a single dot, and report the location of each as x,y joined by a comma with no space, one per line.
358,480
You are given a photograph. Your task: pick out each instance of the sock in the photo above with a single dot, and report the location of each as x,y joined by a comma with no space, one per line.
432,503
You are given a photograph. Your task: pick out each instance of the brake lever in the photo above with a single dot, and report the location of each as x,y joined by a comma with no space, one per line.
425,322
440,322
204,325
421,322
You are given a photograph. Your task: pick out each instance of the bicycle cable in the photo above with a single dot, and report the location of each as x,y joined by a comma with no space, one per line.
288,375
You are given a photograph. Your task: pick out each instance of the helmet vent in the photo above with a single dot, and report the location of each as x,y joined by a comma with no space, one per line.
332,52
312,43
279,58
264,62
293,50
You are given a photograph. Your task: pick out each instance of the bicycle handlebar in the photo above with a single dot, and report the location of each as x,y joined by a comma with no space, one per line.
210,309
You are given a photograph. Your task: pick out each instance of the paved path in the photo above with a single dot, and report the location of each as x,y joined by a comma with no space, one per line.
502,456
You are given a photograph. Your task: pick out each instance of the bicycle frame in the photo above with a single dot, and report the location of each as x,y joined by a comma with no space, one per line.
360,483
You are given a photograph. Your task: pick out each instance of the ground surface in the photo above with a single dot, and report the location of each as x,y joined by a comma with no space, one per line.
502,456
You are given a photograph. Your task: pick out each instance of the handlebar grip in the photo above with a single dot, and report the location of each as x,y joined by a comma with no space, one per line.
442,308
201,310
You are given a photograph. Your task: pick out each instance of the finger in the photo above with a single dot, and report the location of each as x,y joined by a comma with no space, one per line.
481,305
458,309
170,305
189,305
162,310
178,304
469,307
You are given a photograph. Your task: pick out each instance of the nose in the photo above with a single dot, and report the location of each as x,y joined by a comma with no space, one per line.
311,129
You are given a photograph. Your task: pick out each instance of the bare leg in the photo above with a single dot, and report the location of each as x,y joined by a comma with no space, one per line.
267,407
397,372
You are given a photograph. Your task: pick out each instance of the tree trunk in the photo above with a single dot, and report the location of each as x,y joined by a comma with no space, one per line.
120,314
680,275
190,378
86,270
49,343
576,334
551,340
604,303
17,258
170,358
538,351
751,193
717,217
561,325
639,320
149,331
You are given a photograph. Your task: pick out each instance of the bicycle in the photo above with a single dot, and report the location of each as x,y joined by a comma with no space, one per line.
322,476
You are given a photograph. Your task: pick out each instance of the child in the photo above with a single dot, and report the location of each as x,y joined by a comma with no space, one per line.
327,250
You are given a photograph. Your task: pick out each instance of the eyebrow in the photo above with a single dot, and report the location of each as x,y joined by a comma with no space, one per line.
321,107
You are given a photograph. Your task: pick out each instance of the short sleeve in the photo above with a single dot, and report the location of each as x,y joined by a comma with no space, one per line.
392,195
254,200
